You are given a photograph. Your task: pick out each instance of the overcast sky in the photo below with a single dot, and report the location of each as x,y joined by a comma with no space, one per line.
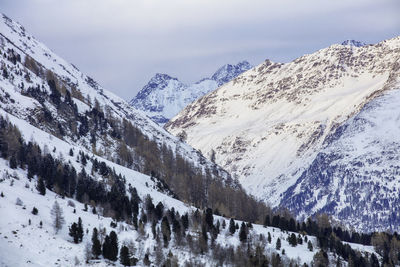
123,43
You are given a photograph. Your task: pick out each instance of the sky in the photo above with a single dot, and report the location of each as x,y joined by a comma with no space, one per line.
123,43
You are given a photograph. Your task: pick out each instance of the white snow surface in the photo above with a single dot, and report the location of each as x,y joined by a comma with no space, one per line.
268,124
164,96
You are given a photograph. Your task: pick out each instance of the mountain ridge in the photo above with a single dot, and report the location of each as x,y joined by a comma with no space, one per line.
164,96
268,125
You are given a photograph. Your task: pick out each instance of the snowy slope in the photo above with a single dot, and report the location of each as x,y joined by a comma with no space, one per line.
356,174
14,37
23,244
164,96
268,125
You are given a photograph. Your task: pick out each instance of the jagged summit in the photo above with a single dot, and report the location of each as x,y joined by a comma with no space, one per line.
228,72
353,43
164,96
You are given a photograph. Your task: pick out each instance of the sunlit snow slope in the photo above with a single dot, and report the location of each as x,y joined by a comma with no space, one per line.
268,125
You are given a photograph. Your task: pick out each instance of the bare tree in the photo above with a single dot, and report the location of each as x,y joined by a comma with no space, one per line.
58,217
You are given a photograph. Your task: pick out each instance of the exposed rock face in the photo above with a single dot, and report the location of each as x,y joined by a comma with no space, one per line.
280,128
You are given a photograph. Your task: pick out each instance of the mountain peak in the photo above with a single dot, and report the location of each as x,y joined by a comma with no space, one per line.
353,43
227,72
164,96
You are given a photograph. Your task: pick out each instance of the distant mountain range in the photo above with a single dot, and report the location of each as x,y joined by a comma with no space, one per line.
164,96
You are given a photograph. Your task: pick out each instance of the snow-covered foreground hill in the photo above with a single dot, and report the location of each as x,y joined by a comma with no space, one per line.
272,126
31,244
164,96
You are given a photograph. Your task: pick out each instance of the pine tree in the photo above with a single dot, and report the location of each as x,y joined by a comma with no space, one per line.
106,247
96,245
209,218
80,230
35,211
165,230
113,246
73,232
124,256
269,237
232,227
309,246
243,233
58,218
76,231
293,240
278,244
13,162
41,187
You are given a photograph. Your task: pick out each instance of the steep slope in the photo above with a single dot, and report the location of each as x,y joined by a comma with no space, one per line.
355,176
268,125
163,96
39,87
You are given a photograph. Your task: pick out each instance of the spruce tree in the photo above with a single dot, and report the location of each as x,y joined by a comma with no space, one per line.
310,246
124,256
80,230
73,232
278,244
41,187
96,245
243,233
165,230
113,246
269,237
13,162
232,227
106,247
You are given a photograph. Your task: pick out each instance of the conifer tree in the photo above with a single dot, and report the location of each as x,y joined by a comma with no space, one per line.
243,233
124,256
41,187
232,227
165,230
309,246
113,246
96,245
269,237
278,244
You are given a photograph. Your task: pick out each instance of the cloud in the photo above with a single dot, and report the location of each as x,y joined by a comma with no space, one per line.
122,43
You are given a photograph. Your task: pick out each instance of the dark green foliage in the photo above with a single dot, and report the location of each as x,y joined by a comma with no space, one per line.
232,227
310,246
185,221
278,244
13,162
165,230
110,246
96,245
76,231
269,237
41,187
35,211
209,218
243,232
159,211
292,240
124,256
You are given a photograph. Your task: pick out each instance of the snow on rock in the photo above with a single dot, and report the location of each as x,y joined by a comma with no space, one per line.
268,125
164,96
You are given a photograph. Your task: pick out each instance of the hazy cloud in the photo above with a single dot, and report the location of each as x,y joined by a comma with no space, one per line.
122,43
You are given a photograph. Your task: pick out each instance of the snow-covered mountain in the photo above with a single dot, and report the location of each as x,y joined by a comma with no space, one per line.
164,96
65,139
315,135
